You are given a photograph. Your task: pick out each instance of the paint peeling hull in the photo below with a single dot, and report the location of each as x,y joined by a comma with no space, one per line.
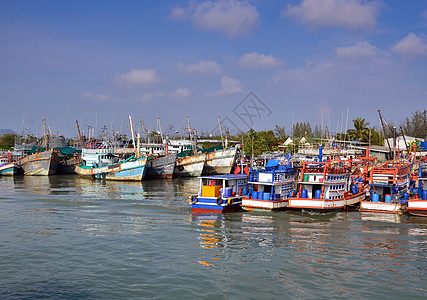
417,207
191,166
40,164
11,169
263,205
325,204
220,162
381,207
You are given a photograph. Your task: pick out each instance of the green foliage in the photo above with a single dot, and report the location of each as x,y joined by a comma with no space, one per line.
262,141
416,126
301,129
7,141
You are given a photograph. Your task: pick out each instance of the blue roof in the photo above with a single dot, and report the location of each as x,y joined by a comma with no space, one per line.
272,163
225,177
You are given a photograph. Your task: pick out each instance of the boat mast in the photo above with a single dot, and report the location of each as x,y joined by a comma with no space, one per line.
383,128
192,138
144,131
79,133
159,128
46,138
220,131
132,133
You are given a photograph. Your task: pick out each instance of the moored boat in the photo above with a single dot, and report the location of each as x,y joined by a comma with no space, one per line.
418,205
389,188
41,163
161,167
219,193
190,165
326,186
270,188
220,161
7,167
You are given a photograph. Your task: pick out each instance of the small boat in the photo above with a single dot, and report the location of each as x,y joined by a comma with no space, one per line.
7,167
326,186
417,205
161,167
219,193
271,187
382,180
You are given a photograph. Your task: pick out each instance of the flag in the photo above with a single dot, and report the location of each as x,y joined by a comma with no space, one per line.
246,170
237,170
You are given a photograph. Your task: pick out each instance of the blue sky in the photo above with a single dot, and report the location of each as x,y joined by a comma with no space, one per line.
312,60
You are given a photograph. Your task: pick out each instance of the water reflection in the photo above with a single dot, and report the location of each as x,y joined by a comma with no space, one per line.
380,217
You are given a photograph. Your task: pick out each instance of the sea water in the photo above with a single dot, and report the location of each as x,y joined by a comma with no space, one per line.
64,237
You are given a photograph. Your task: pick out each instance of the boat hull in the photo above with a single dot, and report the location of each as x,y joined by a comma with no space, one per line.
162,167
256,204
325,204
191,166
382,207
11,169
41,164
212,205
127,171
220,162
417,207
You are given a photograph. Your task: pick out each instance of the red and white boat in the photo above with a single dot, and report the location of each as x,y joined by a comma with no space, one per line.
327,186
381,181
418,205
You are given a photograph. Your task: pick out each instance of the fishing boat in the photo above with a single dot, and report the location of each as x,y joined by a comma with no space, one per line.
418,205
41,163
219,193
383,179
326,186
220,161
161,167
190,165
131,169
7,167
271,187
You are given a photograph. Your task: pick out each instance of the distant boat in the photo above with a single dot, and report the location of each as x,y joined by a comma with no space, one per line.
270,187
418,205
381,181
219,193
326,186
7,167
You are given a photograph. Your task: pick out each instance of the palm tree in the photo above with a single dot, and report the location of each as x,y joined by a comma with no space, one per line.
360,126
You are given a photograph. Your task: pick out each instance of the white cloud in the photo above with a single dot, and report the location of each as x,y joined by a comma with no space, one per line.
411,46
96,97
256,60
231,18
181,93
202,67
228,86
360,51
137,77
148,97
350,14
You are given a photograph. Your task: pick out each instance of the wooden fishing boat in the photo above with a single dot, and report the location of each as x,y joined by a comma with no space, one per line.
270,188
161,167
190,165
326,186
220,161
381,182
42,163
219,193
418,205
131,169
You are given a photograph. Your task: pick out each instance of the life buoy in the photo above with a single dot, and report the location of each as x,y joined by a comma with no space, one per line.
219,201
230,201
193,199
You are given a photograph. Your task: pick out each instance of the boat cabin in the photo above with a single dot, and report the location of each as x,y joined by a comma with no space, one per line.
222,186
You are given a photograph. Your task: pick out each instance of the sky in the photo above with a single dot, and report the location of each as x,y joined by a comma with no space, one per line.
254,64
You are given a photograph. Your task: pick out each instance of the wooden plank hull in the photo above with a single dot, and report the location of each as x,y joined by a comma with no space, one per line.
382,207
162,167
11,169
325,204
220,162
40,164
417,207
257,204
133,170
190,166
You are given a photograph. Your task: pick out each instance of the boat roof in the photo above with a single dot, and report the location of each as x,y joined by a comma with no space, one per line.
225,177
